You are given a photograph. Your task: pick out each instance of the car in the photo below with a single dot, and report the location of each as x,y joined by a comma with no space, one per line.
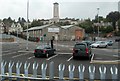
117,40
109,42
99,44
82,50
44,50
87,42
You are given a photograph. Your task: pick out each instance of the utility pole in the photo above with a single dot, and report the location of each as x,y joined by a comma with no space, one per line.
98,20
27,24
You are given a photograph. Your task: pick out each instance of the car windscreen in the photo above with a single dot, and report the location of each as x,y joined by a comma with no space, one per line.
80,46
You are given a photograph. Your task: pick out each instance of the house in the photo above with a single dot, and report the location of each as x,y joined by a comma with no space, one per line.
52,31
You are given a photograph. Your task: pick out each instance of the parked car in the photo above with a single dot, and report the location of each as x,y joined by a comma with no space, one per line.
99,44
44,50
109,42
117,40
87,42
82,50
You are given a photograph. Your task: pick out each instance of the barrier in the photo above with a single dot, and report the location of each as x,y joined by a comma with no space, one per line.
61,71
61,67
81,69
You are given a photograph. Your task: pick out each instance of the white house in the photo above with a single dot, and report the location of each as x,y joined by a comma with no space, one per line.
16,28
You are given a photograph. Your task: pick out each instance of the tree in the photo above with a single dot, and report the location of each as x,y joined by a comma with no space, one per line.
36,23
87,25
113,17
119,24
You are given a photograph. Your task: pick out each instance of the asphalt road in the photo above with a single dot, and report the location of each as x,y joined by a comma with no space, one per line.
101,56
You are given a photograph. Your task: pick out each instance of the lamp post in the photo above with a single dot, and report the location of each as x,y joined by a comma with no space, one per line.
98,20
27,23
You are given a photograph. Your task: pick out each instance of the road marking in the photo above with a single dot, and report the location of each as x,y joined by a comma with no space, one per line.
63,53
70,58
92,58
20,55
26,51
52,57
31,57
106,61
8,54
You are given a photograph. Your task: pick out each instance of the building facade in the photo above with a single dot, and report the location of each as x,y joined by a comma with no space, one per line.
52,31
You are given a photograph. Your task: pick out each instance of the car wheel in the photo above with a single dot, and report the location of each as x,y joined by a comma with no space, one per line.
106,46
47,55
97,46
36,56
74,57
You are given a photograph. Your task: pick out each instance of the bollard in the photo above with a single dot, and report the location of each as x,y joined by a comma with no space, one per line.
51,70
114,73
43,69
26,67
18,66
35,67
10,69
91,72
102,70
81,69
3,64
71,71
61,71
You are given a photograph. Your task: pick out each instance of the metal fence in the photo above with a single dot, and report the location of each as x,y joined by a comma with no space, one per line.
61,68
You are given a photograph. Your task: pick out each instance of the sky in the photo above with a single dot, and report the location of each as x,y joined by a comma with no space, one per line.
43,9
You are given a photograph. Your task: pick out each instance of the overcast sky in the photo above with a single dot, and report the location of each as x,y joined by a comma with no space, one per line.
43,9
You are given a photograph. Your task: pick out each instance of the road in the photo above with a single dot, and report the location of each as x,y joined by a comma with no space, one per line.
101,56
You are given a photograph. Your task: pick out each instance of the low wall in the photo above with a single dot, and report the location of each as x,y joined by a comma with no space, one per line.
7,39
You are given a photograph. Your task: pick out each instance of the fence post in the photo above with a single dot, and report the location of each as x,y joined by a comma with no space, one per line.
35,67
102,70
114,73
81,69
91,72
26,67
10,69
43,69
51,70
3,64
18,66
71,71
61,71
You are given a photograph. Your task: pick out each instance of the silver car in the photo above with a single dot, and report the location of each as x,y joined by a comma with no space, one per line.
99,44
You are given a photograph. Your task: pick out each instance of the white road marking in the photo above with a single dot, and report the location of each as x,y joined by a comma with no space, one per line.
92,58
31,57
20,55
8,54
106,61
70,58
64,53
52,57
26,51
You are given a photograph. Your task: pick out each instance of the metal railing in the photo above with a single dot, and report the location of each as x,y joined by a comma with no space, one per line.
61,69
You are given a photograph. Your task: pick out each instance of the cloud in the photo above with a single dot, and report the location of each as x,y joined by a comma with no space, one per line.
43,9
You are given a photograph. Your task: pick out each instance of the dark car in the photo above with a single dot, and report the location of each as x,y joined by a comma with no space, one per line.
117,40
110,42
44,50
88,42
82,50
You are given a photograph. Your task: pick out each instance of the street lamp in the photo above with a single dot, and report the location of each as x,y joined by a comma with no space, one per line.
27,23
98,20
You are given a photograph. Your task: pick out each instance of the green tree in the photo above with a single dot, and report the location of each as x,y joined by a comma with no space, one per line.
36,23
113,17
87,25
